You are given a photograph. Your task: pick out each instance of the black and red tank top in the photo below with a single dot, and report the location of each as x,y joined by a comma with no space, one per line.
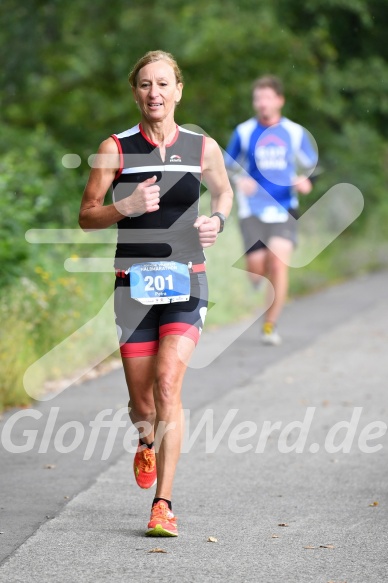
168,232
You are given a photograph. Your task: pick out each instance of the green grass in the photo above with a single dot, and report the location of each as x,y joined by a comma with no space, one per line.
48,315
44,323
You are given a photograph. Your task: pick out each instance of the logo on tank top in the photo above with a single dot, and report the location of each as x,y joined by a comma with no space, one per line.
271,153
175,158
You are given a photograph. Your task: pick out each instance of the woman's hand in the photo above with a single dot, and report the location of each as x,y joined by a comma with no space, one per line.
208,228
144,199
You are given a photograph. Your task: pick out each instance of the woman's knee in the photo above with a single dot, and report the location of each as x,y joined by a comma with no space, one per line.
167,390
143,408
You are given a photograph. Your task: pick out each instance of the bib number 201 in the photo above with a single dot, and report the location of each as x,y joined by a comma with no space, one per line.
158,283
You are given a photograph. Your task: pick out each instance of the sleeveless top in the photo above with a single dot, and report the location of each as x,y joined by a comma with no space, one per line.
167,233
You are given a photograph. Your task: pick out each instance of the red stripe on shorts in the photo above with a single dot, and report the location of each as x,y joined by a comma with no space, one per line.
181,329
133,349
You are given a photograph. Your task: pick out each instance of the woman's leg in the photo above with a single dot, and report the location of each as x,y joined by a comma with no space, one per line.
140,377
137,327
170,370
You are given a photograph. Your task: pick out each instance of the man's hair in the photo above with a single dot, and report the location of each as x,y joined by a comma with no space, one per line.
269,81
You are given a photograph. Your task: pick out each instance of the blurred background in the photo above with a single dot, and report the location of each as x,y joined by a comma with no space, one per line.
64,88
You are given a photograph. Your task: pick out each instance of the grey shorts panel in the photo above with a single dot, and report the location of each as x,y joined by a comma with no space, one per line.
256,234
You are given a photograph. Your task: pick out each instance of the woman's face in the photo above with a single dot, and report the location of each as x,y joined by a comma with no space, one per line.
157,91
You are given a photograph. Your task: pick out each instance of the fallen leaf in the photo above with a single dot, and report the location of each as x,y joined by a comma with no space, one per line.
157,550
326,546
212,539
282,524
275,536
374,503
49,466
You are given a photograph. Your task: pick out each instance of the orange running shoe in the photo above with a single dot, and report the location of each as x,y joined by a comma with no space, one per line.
144,466
162,521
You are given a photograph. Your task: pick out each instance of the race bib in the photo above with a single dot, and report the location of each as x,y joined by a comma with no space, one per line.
274,214
159,282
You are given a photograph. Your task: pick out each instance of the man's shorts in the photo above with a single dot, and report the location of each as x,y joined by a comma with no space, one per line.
140,327
256,233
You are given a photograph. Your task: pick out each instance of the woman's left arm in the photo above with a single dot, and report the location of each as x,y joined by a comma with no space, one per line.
216,179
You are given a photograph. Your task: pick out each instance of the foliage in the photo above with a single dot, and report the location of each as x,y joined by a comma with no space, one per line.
36,191
40,311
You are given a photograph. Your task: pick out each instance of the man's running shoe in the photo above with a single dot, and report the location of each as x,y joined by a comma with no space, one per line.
144,466
162,521
269,335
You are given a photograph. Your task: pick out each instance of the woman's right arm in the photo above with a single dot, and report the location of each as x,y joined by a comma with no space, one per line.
93,214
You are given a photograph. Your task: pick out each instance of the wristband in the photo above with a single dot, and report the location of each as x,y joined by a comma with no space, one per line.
222,220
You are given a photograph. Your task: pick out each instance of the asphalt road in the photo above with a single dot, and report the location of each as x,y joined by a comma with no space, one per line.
288,437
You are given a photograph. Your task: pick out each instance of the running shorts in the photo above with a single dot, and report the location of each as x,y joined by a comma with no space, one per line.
256,233
140,327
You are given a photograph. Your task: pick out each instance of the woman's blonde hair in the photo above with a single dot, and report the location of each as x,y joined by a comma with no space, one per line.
153,57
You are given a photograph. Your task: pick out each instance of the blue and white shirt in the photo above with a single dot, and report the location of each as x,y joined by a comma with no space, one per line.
273,156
